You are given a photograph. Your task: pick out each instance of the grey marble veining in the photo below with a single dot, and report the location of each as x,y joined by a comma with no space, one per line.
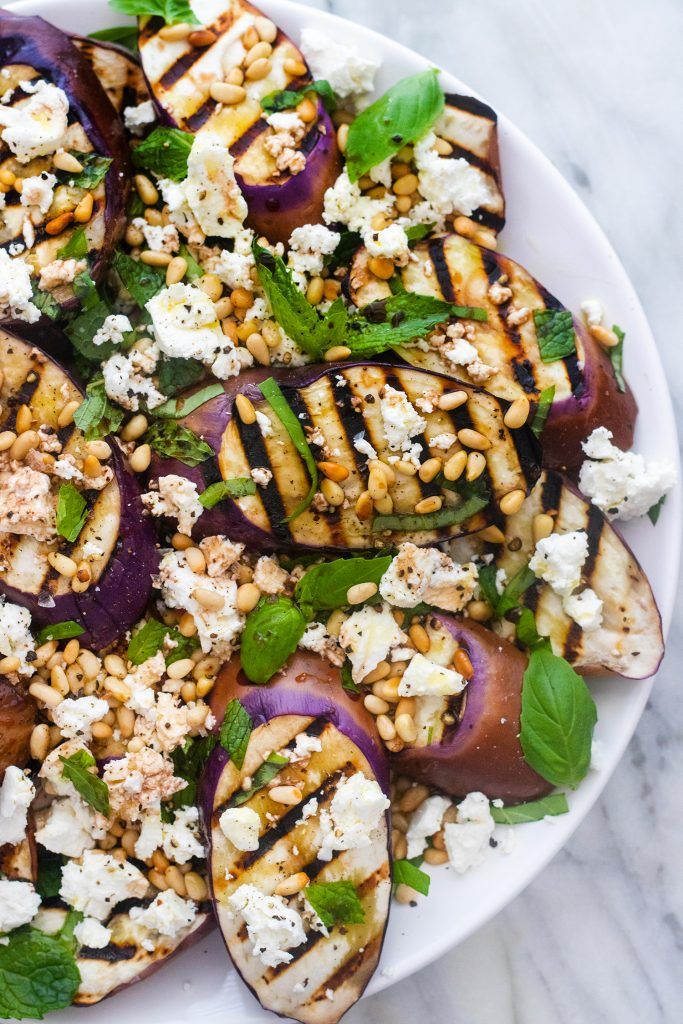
598,85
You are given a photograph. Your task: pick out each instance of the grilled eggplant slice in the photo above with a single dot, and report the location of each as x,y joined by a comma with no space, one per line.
17,718
586,392
31,49
326,974
630,642
471,127
121,555
337,405
118,71
480,751
180,76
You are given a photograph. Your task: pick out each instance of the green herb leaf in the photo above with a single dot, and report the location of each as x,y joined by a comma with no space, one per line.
97,416
487,584
72,512
285,99
616,356
175,375
183,646
178,407
188,763
49,880
235,732
94,311
654,513
297,317
95,169
238,487
325,586
92,788
558,718
347,679
335,902
140,281
172,11
545,404
518,585
416,232
123,35
165,152
45,302
194,271
38,974
406,872
59,631
348,245
403,115
76,247
554,334
527,634
147,641
271,633
168,437
535,810
449,515
264,774
278,403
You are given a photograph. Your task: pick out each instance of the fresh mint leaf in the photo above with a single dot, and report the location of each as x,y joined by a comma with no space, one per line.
406,872
188,764
94,311
545,404
172,439
165,152
72,512
558,718
45,302
264,774
654,513
194,271
94,171
271,633
403,115
239,487
335,902
172,11
278,403
140,281
235,732
347,247
76,247
298,318
285,99
175,375
487,584
38,974
59,631
96,416
147,641
325,586
91,788
49,880
535,810
183,646
616,356
417,232
122,35
179,407
554,334
347,679
514,589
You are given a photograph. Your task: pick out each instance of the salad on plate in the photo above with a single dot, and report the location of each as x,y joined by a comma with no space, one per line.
309,505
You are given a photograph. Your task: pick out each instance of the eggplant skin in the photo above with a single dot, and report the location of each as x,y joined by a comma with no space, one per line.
37,43
17,718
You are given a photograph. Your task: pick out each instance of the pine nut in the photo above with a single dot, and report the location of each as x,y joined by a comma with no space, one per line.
387,689
179,669
187,626
406,728
512,502
134,428
257,51
364,506
64,162
315,290
245,409
455,466
83,211
92,466
385,727
128,841
174,33
248,596
157,879
176,270
485,238
146,189
235,76
382,267
420,637
115,666
267,29
465,227
58,224
384,506
492,535
90,664
196,716
377,484
542,526
154,217
406,185
604,336
406,706
406,468
100,449
152,258
382,467
289,795
479,611
336,353
7,439
9,664
427,505
435,857
399,844
211,285
293,884
188,692
101,731
405,895
259,69
360,592
256,345
125,720
462,663
241,298
196,886
59,681
24,419
134,237
334,495
209,599
136,744
375,705
295,68
343,138
181,542
307,111
413,798
23,445
429,470
381,672
476,464
473,439
117,688
66,413
201,37
62,564
333,471
45,694
518,413
40,742
141,458
195,559
176,880
438,840
225,92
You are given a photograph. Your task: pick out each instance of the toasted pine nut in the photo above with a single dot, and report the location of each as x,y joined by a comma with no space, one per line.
59,681
92,466
375,705
134,428
187,626
117,688
492,535
364,506
435,857
406,185
387,689
399,844
427,505
174,33
405,894
307,111
179,669
241,298
181,542
337,352
542,526
377,484
465,227
382,267
100,449
420,637
512,502
101,731
7,439
196,886
452,400
24,419
604,336
259,69
259,50
245,409
455,466
134,237
333,471
176,270
406,728
115,666
195,559
83,211
66,413
479,611
141,458
65,162
413,798
152,258
146,189
201,37
45,694
156,878
473,439
518,413
295,68
57,224
290,795
267,29
334,495
293,884
248,596
225,92
125,719
476,464
360,592
40,742
429,470
256,345
380,672
62,564
209,599
406,468
9,664
90,664
377,466
462,663
343,138
385,727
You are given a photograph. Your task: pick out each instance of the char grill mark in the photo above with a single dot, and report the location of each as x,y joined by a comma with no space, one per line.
437,253
22,397
471,105
257,455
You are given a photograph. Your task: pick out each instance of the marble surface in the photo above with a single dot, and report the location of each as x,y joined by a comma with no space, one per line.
598,937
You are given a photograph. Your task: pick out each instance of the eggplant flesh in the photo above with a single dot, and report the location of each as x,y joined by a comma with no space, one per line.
119,72
471,127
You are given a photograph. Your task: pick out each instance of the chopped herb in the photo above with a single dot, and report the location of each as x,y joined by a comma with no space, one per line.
235,732
91,788
38,974
616,355
487,584
349,243
407,872
76,247
285,99
515,588
347,679
535,810
238,487
97,416
147,641
278,403
49,880
72,512
449,515
94,311
264,774
554,334
179,407
45,302
165,152
188,763
170,438
416,232
95,169
59,631
172,11
335,902
654,513
194,271
545,404
271,633
182,646
527,634
140,281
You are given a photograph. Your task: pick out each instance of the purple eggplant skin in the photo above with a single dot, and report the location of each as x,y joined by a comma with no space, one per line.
35,42
17,718
481,752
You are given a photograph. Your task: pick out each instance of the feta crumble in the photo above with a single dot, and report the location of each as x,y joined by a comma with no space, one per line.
429,575
241,826
15,289
424,823
19,903
559,559
368,636
401,420
99,882
38,190
15,635
424,678
355,813
176,498
38,126
90,933
272,925
450,185
136,118
622,484
167,914
467,840
112,331
75,716
16,793
349,73
211,189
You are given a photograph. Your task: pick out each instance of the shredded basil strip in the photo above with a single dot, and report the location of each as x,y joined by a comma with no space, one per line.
278,403
72,512
447,516
616,356
175,408
238,487
534,810
285,99
545,404
59,631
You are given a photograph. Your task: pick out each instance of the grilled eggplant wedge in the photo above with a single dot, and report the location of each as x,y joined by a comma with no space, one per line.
337,407
118,71
326,973
479,751
630,642
120,556
180,77
17,717
32,50
586,392
471,127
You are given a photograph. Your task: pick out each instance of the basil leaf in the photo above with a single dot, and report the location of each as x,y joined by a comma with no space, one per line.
175,375
264,774
325,586
95,169
238,487
285,99
147,641
59,631
97,416
92,788
554,334
405,872
449,515
654,513
545,404
140,281
123,35
527,634
518,585
278,403
616,356
558,718
335,902
271,633
168,437
172,11
164,152
404,114
72,512
38,974
49,880
188,763
194,271
178,407
94,311
235,732
347,679
487,584
45,302
76,247
417,232
535,810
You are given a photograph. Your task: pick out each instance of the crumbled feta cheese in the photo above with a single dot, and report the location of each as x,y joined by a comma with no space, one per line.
92,934
138,117
36,127
16,793
400,419
441,441
381,173
367,636
424,678
112,330
363,446
264,424
75,716
450,185
304,746
559,559
19,903
425,822
283,142
272,925
232,361
179,839
124,383
139,781
467,840
99,882
220,554
501,581
185,323
585,609
159,237
317,639
67,827
593,312
179,212
391,242
15,635
349,73
235,269
51,769
27,504
167,914
355,813
261,476
622,484
345,204
38,191
461,352
428,575
211,188
269,577
241,826
308,247
15,289
177,498
59,272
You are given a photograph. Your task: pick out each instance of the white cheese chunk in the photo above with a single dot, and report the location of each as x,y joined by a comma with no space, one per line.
467,840
112,331
37,126
16,639
125,383
185,323
241,826
308,247
450,185
593,312
354,815
272,925
559,559
622,484
585,609
66,827
429,575
424,678
75,716
390,242
349,73
177,498
401,420
15,289
38,190
99,882
211,188
345,204
16,793
92,934
138,117
424,823
19,903
368,636
167,914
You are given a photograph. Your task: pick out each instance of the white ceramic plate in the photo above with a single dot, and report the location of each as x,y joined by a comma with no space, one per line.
552,234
